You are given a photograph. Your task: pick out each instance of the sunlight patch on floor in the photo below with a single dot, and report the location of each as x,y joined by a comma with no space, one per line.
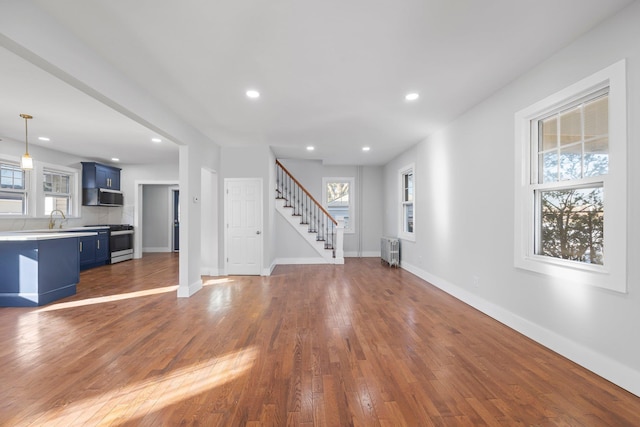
137,399
120,297
210,282
107,298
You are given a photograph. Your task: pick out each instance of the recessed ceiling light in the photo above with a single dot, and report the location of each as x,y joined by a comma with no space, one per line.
253,94
115,159
412,96
310,148
156,140
366,148
43,138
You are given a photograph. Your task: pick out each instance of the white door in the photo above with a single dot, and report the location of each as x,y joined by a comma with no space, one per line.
243,226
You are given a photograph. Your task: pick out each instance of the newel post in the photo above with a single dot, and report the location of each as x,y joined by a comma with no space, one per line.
339,259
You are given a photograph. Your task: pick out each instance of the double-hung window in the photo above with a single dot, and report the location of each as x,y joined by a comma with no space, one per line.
571,194
407,203
338,200
57,188
13,189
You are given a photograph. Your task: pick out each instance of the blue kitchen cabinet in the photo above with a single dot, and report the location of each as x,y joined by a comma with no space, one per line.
94,250
96,175
37,272
87,251
102,247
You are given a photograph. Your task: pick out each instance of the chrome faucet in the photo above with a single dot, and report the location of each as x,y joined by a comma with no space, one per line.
52,222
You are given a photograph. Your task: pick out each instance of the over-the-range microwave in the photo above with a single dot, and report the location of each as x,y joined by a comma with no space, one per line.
102,197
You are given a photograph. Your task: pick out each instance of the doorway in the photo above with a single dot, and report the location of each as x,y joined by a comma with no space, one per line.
175,235
243,226
161,232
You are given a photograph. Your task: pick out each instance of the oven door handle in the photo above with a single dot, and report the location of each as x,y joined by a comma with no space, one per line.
121,232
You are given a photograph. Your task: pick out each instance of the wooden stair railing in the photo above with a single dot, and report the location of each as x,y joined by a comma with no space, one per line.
305,206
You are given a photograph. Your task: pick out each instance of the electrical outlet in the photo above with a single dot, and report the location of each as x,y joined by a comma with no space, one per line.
476,281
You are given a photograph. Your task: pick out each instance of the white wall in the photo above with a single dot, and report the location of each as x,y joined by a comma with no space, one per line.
250,162
156,218
365,241
372,207
464,215
291,248
209,223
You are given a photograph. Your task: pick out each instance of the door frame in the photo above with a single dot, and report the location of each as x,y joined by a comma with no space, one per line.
137,211
172,244
227,217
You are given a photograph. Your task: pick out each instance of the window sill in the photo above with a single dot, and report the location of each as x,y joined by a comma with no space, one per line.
568,271
407,236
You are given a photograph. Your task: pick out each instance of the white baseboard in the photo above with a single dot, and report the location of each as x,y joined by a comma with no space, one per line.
285,261
604,366
369,254
209,271
187,291
267,271
158,249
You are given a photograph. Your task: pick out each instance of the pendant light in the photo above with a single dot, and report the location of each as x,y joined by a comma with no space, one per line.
27,161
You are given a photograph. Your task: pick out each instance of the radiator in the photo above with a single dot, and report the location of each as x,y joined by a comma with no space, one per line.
390,251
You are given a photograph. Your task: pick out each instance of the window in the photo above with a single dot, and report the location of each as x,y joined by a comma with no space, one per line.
571,200
37,193
338,200
13,190
569,168
407,203
57,191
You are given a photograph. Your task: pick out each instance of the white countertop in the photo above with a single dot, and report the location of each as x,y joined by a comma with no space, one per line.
17,236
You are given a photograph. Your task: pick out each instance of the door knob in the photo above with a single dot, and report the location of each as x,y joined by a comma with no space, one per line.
258,232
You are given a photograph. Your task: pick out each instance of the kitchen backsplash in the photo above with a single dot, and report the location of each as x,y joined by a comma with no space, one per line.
90,215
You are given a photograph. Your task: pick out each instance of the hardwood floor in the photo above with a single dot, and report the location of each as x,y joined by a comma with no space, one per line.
359,344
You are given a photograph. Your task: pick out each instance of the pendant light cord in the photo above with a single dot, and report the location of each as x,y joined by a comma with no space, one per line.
26,136
26,117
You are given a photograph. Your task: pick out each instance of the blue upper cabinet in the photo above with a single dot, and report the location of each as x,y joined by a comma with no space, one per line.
96,175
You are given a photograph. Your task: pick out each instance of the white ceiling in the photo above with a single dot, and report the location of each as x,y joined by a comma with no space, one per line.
332,74
74,122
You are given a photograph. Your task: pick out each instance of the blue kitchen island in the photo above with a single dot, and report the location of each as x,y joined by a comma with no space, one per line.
37,268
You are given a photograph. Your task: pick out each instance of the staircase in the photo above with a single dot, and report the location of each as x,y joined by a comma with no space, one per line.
323,232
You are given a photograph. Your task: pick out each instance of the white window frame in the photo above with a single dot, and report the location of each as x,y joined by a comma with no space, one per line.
612,274
34,190
69,195
26,192
74,187
402,226
352,200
